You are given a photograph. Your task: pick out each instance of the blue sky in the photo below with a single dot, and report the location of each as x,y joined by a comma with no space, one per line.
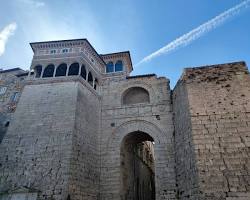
140,26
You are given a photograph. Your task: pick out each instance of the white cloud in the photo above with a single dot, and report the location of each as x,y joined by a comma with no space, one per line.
33,3
196,33
5,34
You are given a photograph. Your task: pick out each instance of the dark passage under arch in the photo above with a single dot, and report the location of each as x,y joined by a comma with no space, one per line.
137,167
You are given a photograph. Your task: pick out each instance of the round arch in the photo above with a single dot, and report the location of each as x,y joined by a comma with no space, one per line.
61,69
74,69
146,86
136,126
83,72
135,95
49,71
38,71
112,158
90,78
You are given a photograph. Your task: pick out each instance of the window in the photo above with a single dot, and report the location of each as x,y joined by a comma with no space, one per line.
118,66
53,51
65,50
110,67
3,90
14,97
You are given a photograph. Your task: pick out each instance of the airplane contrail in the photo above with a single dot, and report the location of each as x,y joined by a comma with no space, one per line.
196,33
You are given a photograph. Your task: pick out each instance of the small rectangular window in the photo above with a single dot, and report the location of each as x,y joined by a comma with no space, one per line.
53,51
65,50
3,90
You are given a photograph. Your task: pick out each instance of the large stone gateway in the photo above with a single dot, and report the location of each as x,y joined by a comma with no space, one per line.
78,126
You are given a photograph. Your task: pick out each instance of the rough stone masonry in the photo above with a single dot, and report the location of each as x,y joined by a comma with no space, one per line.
79,126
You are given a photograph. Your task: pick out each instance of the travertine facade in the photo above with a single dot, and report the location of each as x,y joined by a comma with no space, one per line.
84,128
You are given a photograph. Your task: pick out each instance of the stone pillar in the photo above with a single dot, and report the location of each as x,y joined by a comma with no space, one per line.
54,74
43,68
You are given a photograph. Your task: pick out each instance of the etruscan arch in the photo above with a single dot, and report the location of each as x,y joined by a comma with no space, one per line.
112,159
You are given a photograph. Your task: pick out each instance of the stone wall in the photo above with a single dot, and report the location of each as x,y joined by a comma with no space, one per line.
36,150
218,104
11,87
185,161
85,160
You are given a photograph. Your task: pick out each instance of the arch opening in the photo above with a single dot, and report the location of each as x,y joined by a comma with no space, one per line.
83,72
73,69
38,71
135,95
137,167
90,79
49,71
61,70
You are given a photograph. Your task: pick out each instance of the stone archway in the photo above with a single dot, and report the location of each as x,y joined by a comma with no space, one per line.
111,178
